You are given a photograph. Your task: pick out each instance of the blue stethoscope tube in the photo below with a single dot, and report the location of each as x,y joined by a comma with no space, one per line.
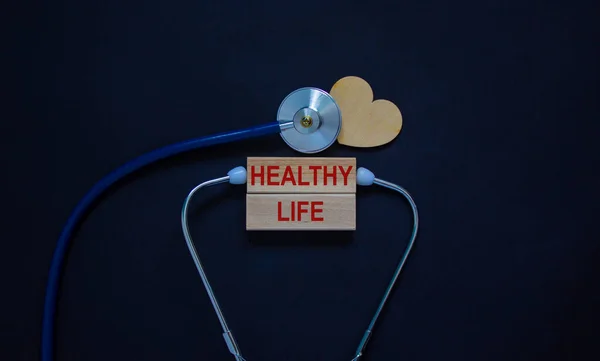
53,282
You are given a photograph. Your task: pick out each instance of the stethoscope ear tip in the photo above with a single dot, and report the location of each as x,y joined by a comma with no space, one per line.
364,177
237,175
310,120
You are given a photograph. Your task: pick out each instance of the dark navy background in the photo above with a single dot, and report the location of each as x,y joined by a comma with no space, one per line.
499,149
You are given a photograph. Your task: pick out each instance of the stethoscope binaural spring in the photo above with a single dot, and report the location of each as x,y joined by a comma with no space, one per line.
308,120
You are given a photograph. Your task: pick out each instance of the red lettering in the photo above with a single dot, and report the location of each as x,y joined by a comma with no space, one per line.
272,174
302,210
293,207
331,175
345,174
254,175
297,208
315,168
288,176
280,218
300,182
314,210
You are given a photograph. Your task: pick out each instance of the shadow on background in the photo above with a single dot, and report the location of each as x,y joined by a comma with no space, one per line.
301,238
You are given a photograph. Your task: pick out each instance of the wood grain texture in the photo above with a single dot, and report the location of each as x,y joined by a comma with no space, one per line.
291,212
365,123
301,175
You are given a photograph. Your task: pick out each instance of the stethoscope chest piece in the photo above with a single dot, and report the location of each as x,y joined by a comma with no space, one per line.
316,120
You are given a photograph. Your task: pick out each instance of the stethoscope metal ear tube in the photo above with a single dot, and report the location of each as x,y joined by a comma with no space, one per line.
228,336
364,177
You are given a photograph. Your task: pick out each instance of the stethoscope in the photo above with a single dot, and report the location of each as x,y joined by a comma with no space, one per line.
309,121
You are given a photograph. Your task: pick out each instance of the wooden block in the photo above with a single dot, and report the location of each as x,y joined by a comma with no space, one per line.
301,175
291,212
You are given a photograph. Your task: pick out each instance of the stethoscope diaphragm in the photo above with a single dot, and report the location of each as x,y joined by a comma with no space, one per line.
316,120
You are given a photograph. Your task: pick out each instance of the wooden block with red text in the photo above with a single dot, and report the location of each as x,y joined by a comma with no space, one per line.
301,212
301,175
301,193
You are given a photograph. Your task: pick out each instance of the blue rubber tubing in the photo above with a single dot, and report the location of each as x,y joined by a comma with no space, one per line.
56,267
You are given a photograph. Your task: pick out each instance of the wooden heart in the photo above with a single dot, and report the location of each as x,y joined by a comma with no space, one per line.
365,123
